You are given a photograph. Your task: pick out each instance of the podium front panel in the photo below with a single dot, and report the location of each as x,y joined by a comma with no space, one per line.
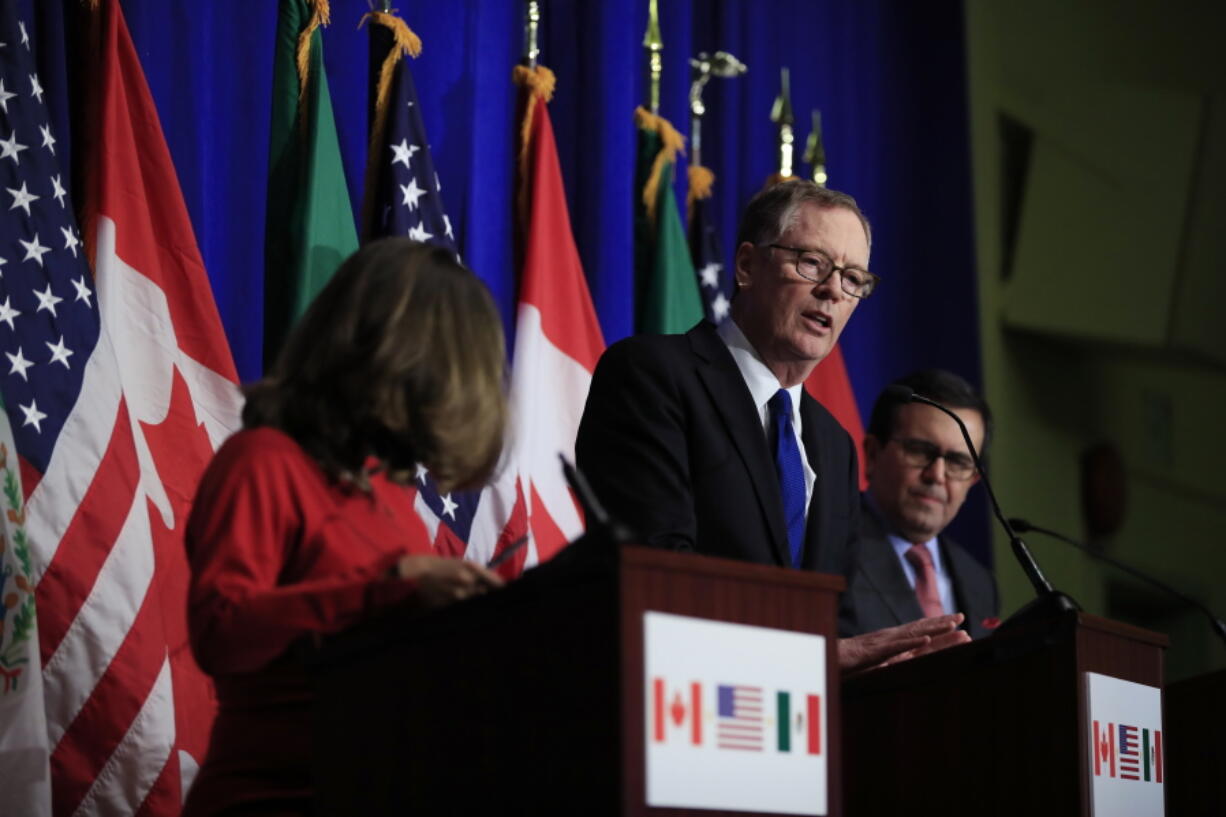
996,726
727,591
531,700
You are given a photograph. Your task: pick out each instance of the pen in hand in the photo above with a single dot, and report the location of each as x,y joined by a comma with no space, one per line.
510,551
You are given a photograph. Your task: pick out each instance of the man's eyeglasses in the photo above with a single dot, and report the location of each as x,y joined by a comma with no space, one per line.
921,454
816,266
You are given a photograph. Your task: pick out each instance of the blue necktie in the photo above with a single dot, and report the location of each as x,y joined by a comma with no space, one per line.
791,472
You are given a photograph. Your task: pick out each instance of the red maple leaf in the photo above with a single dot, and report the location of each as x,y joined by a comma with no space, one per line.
677,710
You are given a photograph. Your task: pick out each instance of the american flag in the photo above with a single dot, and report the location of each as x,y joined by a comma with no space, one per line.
1129,753
405,198
407,195
48,306
119,385
738,722
708,255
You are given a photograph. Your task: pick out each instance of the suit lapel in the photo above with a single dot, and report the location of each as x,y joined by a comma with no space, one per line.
880,566
969,601
818,510
728,392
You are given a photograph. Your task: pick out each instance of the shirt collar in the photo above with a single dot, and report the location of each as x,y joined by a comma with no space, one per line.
761,380
901,546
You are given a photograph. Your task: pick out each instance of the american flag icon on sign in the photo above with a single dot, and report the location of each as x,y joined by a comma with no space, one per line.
1130,759
738,723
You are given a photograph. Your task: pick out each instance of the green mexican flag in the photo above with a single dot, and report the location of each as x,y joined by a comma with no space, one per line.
667,297
309,227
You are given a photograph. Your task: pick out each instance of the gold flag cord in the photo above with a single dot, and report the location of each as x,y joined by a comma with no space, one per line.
671,143
701,180
321,15
539,82
404,41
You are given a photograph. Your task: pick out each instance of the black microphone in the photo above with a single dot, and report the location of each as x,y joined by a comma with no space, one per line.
1214,622
1049,601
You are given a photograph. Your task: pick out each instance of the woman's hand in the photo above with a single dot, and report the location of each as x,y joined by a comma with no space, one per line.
442,581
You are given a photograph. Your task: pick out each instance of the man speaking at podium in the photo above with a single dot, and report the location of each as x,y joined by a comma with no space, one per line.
707,441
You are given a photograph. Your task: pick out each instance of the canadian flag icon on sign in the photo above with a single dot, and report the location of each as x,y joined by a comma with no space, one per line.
676,711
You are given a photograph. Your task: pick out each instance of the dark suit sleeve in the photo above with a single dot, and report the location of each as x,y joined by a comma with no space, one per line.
632,443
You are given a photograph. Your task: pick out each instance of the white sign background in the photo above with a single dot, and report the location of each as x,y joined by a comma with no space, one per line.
1111,700
683,650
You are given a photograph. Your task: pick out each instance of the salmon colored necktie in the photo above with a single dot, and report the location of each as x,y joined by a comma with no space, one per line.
925,580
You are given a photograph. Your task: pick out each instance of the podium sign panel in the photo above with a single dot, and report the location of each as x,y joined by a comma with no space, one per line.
1124,724
735,716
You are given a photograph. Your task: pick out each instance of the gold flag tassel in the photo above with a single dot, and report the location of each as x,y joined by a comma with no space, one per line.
404,41
701,180
539,82
671,143
321,15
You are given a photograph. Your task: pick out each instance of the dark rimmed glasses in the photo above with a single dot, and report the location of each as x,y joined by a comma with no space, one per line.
921,454
817,267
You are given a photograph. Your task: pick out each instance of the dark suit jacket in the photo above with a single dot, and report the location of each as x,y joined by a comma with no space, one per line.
673,446
878,594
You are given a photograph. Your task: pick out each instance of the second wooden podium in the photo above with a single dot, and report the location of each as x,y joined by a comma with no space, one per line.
999,726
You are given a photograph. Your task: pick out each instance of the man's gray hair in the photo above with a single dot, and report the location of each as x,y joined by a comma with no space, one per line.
772,211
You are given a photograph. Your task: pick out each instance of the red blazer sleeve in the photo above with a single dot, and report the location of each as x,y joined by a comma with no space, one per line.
245,605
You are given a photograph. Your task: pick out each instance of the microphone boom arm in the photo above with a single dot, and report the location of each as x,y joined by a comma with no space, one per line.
1048,601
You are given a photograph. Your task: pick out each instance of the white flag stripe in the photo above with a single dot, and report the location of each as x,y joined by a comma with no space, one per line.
76,458
138,760
427,516
101,624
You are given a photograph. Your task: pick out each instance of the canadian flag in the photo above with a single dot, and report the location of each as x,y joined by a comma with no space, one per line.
676,712
557,342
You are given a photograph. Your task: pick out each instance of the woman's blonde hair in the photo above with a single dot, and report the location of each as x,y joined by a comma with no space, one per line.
401,357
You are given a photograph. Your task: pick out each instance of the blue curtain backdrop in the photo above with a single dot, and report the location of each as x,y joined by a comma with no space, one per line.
888,76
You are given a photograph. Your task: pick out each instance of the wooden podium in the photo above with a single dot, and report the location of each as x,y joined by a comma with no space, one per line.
531,700
992,727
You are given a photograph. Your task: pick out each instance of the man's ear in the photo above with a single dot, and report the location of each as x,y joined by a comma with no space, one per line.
742,265
872,448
